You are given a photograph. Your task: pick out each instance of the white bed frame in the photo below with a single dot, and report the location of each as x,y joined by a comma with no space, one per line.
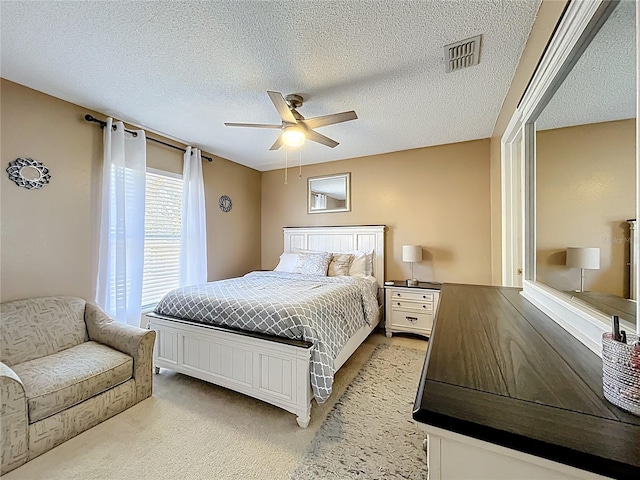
277,372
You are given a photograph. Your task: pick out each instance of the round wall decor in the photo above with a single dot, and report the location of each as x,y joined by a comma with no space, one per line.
225,204
28,173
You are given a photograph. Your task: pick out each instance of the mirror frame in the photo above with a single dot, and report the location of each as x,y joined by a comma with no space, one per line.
579,24
346,208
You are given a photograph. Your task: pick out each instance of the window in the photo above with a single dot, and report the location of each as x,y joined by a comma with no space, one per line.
163,215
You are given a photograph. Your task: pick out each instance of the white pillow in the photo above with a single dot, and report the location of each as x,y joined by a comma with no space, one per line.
311,251
287,262
369,256
313,263
362,264
340,264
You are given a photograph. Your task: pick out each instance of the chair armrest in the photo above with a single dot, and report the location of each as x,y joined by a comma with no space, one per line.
133,341
15,420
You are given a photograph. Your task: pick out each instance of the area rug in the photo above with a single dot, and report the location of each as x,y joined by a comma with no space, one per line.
369,433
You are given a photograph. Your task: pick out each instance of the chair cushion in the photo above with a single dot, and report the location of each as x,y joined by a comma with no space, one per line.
61,380
36,327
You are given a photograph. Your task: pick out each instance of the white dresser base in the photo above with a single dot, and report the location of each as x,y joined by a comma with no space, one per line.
453,456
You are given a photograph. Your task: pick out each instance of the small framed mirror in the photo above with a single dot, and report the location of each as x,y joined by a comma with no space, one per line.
329,193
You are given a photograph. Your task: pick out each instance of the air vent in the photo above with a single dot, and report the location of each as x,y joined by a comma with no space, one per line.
463,54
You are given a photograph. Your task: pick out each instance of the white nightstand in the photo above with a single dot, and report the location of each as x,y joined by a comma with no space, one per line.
410,309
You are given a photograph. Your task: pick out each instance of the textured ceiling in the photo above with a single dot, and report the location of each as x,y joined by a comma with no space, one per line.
184,68
601,87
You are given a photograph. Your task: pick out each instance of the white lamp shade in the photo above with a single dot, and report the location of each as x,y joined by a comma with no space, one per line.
583,257
411,253
293,136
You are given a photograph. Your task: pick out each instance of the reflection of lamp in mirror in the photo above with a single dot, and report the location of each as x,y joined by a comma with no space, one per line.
584,258
412,253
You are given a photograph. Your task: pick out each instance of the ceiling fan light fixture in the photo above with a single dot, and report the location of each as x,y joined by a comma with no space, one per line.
295,128
293,136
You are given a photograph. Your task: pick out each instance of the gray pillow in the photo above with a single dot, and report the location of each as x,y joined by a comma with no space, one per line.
313,263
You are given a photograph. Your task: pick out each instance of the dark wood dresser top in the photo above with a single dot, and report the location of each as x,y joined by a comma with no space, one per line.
499,370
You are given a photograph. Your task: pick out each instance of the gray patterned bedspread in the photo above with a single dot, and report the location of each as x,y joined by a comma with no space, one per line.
325,311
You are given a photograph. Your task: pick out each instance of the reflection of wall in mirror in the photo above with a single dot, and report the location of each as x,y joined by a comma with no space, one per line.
585,192
321,201
334,203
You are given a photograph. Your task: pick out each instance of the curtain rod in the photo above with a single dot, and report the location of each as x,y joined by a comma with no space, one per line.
91,118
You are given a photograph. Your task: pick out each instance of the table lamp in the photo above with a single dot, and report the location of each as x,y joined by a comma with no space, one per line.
412,253
583,258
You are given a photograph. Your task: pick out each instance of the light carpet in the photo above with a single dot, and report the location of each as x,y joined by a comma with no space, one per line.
369,434
192,429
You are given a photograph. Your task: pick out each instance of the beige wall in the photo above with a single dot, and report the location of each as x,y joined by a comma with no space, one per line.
234,238
48,237
585,192
548,16
437,197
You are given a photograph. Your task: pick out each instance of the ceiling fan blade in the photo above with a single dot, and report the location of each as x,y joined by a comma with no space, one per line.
277,144
316,137
252,125
325,120
282,107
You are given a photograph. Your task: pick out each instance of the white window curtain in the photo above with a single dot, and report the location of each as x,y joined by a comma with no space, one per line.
193,241
121,254
320,201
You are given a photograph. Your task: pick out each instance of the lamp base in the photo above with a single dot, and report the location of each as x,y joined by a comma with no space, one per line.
582,277
412,282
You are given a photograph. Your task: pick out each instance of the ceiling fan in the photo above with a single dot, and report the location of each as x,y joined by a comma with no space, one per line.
295,128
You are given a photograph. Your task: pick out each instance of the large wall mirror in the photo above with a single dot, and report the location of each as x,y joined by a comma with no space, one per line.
330,193
586,173
574,135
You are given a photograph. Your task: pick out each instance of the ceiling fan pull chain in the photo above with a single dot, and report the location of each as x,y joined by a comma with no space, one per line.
300,172
286,163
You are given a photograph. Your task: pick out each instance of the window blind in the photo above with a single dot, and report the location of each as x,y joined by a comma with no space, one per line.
163,216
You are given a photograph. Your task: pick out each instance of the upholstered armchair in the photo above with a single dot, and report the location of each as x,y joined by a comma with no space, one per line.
65,367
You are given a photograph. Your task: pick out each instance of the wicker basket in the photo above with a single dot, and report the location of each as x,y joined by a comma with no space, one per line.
621,372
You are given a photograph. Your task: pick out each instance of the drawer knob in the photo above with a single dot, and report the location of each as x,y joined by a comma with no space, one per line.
398,303
412,319
398,294
424,296
424,306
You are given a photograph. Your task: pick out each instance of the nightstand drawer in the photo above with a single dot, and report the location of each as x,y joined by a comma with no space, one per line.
412,319
417,296
407,305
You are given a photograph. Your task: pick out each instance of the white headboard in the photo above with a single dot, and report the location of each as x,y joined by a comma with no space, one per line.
339,239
